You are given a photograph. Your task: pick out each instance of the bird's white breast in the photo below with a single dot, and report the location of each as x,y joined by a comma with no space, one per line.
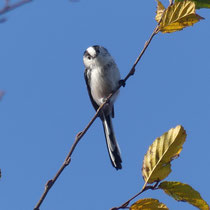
103,82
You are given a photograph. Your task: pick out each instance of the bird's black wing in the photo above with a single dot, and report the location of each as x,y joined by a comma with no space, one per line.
95,105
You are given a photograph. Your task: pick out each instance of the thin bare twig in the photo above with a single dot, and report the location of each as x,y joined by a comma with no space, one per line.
144,188
51,182
8,7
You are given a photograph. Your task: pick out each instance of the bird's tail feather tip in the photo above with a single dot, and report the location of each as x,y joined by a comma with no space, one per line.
116,161
112,145
115,157
119,166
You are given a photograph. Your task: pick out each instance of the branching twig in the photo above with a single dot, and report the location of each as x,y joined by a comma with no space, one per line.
8,7
144,188
82,133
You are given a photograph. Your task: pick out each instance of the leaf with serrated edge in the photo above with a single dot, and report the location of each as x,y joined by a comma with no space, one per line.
199,3
178,16
160,10
184,192
156,163
148,203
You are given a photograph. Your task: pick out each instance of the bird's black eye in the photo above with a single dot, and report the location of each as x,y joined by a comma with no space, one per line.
89,57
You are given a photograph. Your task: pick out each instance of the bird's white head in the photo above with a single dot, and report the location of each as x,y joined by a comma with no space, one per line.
96,56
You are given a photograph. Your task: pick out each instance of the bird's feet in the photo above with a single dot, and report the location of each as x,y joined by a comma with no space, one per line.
122,82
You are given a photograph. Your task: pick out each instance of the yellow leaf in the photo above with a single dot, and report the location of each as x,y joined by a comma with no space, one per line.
160,10
184,192
148,203
156,164
176,17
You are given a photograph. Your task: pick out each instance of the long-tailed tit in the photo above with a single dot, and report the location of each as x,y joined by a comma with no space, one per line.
102,77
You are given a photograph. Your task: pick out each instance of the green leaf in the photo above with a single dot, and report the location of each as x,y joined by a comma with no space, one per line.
148,203
199,4
184,192
157,161
176,17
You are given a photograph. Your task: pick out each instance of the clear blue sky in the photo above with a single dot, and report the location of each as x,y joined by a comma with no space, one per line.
46,103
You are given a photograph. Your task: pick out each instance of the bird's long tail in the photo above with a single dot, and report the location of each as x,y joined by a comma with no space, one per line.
112,145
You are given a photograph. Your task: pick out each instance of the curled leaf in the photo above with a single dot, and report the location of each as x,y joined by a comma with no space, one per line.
160,10
184,192
148,203
177,16
157,161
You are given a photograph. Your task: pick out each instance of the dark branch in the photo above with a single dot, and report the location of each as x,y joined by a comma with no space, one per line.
8,7
145,188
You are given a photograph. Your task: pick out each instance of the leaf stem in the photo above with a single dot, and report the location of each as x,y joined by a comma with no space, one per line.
144,188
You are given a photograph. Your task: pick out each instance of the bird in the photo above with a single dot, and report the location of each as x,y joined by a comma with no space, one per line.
102,77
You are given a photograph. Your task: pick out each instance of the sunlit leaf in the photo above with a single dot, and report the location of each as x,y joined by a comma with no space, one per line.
184,192
199,3
160,10
148,203
177,16
157,161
